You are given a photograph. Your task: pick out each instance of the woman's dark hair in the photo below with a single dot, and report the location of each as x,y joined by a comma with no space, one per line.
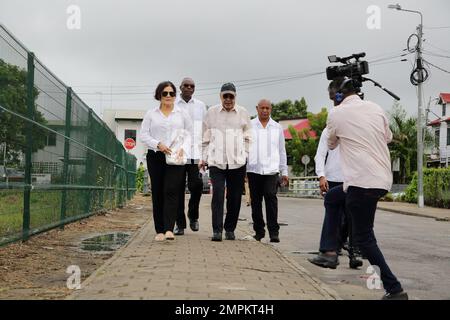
160,88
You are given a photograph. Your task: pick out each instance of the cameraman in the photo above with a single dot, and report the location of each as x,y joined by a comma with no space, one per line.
362,131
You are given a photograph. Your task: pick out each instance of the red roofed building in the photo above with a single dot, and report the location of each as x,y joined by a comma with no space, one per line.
299,127
441,130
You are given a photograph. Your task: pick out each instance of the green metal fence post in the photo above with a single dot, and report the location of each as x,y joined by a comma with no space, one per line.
126,178
89,162
66,155
29,148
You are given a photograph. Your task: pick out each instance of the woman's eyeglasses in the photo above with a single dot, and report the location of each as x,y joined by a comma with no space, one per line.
167,93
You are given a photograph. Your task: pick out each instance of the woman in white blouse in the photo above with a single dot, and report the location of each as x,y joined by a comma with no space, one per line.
166,132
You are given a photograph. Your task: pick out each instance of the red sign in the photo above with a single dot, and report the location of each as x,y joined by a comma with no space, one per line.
129,143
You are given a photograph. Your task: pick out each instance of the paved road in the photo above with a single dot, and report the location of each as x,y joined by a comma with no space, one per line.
417,250
194,267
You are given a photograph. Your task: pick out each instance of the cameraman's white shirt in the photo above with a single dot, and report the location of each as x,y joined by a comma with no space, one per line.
331,169
361,129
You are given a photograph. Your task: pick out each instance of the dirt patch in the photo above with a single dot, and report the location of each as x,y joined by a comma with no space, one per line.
37,268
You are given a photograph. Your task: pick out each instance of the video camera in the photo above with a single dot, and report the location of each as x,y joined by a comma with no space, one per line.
354,71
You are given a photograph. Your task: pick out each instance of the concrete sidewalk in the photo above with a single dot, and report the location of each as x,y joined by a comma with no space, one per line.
194,267
412,210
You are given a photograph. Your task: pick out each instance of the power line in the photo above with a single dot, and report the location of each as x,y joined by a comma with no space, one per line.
436,47
376,58
250,86
251,83
434,54
434,28
437,67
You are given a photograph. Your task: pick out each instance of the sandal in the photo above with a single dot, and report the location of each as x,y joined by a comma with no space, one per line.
170,235
160,237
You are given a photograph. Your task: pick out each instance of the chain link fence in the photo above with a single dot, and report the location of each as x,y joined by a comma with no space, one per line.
59,162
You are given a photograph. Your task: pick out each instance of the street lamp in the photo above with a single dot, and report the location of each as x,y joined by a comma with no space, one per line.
420,199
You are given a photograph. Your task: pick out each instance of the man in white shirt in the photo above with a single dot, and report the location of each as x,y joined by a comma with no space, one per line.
197,111
361,128
267,159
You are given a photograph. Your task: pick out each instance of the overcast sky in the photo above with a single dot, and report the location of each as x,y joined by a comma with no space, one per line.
133,45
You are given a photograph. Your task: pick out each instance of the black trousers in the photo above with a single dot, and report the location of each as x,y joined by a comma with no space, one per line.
362,205
195,186
334,202
264,187
234,179
165,180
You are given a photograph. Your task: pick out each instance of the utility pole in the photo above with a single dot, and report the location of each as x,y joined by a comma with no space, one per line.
420,79
420,200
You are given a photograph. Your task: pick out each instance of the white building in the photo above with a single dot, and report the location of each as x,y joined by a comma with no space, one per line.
127,124
440,154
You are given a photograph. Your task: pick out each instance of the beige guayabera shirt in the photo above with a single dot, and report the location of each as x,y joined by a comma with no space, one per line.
361,129
226,137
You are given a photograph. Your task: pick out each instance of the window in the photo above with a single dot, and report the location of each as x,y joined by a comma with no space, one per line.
436,137
51,139
443,109
130,134
448,136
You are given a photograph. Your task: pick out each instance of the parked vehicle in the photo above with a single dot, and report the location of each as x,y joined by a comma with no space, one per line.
206,182
11,175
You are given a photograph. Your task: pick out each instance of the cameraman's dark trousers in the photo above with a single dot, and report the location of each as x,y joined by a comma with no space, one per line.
195,186
362,204
264,186
234,179
334,201
165,181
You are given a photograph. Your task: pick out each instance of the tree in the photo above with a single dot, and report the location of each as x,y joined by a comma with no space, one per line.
404,142
287,109
13,96
140,176
303,143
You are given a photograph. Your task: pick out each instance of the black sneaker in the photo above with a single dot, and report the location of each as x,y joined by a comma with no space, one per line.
258,236
402,295
274,237
229,235
325,261
178,231
194,225
217,236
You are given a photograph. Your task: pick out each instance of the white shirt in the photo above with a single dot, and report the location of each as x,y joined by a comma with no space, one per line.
267,154
156,127
197,111
362,130
331,170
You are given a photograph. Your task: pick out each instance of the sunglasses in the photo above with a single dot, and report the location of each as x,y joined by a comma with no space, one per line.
167,93
228,96
189,86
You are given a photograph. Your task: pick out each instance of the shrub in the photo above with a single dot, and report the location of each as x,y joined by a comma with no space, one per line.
436,188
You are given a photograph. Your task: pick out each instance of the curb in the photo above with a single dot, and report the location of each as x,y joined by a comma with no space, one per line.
414,214
324,289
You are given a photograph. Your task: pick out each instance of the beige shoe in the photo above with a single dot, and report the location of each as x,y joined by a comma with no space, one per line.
160,237
170,235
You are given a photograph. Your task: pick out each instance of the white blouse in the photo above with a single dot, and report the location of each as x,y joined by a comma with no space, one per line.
156,128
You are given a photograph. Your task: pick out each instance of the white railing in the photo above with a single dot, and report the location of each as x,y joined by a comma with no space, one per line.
304,186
